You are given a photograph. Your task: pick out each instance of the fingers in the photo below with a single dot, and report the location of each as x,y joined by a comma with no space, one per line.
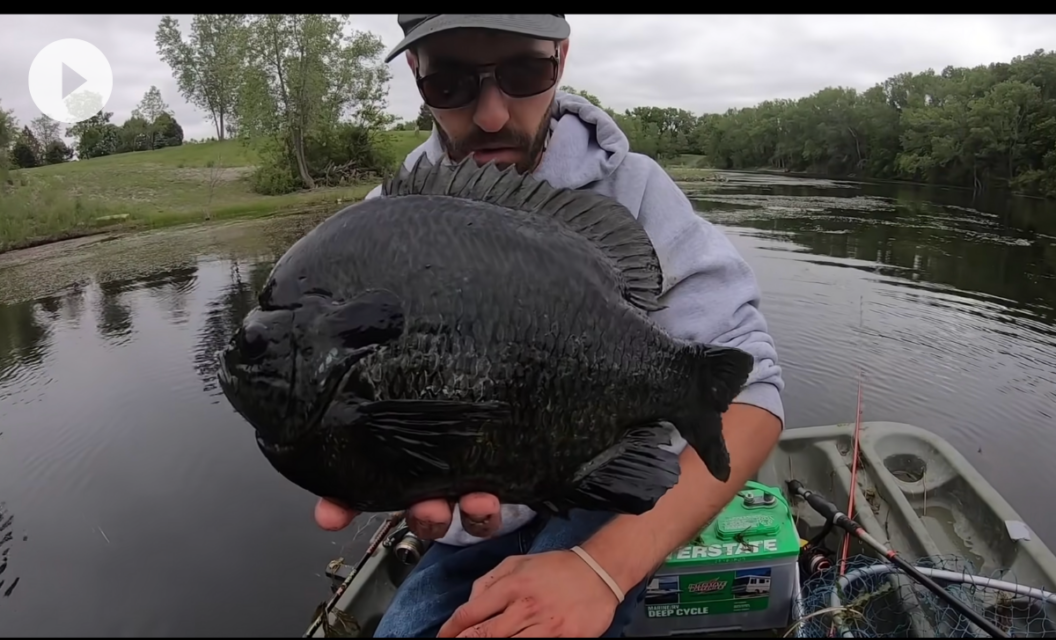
430,519
481,514
486,581
332,517
511,623
488,605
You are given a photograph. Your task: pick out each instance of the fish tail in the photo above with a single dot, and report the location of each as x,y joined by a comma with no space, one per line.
718,375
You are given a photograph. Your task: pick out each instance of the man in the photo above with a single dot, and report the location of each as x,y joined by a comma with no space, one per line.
496,570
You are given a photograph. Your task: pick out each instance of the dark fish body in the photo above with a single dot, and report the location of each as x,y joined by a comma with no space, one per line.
476,330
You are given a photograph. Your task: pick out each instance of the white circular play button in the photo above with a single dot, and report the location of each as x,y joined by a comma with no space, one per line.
70,80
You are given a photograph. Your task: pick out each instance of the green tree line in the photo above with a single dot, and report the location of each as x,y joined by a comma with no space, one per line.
309,92
985,126
151,126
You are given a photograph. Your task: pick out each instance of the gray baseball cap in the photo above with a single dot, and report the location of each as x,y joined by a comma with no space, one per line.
417,26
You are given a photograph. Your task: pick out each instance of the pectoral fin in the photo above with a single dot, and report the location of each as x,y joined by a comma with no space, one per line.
424,434
628,477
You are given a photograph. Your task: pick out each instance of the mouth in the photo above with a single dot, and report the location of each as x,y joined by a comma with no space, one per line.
489,152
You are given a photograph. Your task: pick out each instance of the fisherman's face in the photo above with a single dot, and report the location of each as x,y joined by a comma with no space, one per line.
492,124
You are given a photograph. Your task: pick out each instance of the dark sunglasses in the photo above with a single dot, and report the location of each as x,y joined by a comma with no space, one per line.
457,85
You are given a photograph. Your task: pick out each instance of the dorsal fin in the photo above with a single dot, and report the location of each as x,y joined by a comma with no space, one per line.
600,219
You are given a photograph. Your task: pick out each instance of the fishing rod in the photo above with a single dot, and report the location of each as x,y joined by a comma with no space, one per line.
837,518
853,489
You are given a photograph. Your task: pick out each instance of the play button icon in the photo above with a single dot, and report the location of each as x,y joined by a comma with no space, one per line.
70,80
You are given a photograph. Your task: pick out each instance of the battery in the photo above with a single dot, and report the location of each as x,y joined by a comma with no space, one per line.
739,574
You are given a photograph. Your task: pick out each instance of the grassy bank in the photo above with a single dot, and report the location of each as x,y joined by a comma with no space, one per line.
147,189
178,185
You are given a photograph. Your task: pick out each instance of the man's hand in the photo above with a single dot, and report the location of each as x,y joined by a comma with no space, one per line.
428,520
547,595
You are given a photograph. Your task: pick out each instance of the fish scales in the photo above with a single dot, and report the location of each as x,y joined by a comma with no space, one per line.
476,330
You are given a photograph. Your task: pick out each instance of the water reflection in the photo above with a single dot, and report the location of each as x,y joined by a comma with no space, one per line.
171,290
126,468
1004,249
223,316
124,473
23,346
7,536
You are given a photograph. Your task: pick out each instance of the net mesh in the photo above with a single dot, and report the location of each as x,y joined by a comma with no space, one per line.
890,605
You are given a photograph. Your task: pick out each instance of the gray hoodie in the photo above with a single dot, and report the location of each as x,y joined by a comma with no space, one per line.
710,291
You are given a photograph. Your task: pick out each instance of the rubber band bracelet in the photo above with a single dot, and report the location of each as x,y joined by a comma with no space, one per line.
603,574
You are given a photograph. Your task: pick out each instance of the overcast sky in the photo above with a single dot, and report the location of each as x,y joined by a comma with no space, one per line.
696,62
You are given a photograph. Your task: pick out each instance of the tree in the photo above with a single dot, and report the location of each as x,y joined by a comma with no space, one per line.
590,97
8,126
96,136
979,127
168,132
27,152
45,129
207,66
425,119
57,152
149,110
304,75
135,134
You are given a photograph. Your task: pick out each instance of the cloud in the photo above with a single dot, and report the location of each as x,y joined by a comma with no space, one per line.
702,63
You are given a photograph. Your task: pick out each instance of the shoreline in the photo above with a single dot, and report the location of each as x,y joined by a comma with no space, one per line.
246,211
310,202
189,184
995,190
304,203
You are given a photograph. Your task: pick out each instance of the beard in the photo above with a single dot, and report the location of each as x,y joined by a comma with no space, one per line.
529,146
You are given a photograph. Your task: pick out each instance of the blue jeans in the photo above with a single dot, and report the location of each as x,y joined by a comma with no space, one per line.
443,578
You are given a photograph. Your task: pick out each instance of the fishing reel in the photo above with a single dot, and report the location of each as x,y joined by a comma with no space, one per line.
814,559
410,549
407,547
814,556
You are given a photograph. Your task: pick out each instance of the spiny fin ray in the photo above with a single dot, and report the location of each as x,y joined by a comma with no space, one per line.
600,219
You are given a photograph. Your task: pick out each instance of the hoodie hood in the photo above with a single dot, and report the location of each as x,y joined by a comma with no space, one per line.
588,148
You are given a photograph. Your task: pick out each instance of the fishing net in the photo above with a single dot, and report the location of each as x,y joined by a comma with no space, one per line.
876,600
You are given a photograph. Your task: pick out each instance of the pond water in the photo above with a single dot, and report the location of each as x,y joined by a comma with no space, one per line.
133,500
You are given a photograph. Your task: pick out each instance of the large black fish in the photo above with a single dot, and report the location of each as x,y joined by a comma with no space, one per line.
476,330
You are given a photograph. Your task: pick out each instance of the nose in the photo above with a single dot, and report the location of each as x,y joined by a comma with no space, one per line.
491,114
